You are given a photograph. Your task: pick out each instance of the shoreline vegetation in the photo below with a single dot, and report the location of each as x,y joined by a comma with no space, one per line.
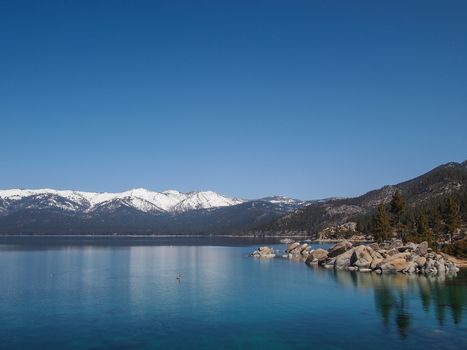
387,257
439,223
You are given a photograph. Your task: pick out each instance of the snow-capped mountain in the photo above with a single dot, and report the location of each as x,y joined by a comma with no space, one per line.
137,211
140,199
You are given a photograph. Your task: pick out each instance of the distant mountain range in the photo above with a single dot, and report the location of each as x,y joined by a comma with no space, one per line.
88,202
140,211
137,211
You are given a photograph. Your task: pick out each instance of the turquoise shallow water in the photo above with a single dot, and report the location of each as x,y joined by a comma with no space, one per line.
125,296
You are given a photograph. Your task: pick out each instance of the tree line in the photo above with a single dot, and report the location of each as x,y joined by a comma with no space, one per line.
435,221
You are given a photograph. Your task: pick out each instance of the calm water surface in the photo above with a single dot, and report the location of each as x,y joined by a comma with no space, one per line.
95,295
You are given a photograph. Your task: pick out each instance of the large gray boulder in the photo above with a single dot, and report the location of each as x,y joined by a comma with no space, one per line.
339,248
395,263
419,260
343,260
317,256
362,256
422,249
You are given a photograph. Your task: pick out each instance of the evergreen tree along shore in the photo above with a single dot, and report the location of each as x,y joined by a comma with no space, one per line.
412,224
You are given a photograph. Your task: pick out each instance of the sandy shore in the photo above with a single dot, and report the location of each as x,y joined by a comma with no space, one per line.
459,262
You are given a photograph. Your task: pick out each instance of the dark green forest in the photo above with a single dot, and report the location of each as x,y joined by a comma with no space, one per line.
440,219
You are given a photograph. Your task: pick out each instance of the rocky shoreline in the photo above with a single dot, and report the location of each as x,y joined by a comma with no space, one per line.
391,257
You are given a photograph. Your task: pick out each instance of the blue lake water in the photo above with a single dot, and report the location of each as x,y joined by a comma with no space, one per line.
125,295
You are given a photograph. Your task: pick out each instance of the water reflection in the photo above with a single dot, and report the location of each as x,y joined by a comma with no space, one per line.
398,297
91,297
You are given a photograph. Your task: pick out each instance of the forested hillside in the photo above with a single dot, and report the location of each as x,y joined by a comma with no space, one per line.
428,200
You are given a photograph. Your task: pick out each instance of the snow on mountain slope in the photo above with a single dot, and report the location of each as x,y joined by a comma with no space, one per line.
282,200
204,200
140,199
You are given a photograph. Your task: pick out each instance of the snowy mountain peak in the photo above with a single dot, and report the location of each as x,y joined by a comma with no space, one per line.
139,198
171,192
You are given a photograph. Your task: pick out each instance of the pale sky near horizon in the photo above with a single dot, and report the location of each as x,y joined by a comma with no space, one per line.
308,99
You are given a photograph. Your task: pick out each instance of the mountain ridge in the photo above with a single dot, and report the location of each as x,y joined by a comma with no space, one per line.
137,211
140,211
443,180
139,198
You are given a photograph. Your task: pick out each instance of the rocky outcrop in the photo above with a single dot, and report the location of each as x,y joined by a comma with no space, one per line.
388,258
298,251
338,231
264,252
393,257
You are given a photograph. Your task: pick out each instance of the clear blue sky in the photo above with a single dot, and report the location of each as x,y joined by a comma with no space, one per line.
308,99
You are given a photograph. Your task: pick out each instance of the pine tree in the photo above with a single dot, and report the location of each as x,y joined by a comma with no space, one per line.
381,224
436,223
452,216
423,230
397,209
